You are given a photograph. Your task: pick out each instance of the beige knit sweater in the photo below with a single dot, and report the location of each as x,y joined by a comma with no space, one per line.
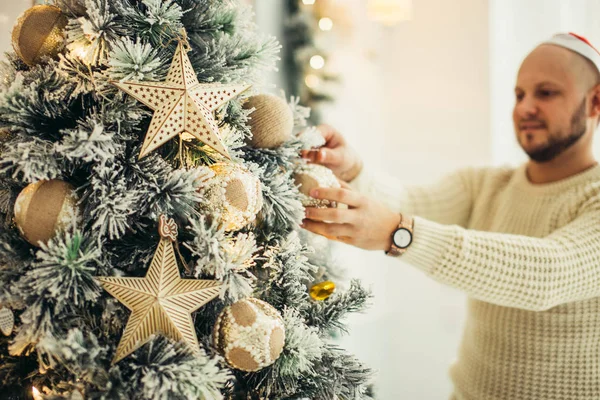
528,257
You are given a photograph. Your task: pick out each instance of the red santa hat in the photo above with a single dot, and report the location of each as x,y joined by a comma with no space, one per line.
578,44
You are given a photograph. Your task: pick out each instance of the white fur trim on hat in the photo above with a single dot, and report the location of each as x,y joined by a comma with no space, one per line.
578,44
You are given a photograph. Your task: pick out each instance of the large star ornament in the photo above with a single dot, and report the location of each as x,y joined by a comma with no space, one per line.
161,302
182,105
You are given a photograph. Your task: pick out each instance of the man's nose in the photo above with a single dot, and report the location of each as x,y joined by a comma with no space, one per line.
527,107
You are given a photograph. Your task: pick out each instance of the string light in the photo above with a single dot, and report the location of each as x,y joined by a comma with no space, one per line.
326,24
317,62
36,393
81,52
312,81
390,12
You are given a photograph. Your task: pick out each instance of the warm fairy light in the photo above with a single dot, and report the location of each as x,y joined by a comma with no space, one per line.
308,2
390,12
312,81
317,62
81,52
36,394
326,24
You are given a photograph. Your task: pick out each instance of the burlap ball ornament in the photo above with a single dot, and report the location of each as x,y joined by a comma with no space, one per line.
271,122
44,208
250,334
235,194
310,176
39,32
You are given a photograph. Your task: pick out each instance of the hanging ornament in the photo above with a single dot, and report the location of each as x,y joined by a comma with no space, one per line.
7,321
76,395
235,194
310,176
44,208
322,291
271,122
183,106
38,33
161,302
250,334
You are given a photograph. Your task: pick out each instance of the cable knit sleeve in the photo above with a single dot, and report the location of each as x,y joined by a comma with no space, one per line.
513,270
448,201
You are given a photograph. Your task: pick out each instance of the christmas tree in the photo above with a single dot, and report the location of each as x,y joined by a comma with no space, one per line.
150,244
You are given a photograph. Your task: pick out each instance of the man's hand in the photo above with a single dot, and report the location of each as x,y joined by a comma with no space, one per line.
366,223
336,155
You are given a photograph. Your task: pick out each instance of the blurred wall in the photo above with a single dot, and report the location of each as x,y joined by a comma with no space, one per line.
416,101
9,12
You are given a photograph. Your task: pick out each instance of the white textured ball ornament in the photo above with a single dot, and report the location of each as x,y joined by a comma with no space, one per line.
250,334
44,208
235,194
310,176
271,123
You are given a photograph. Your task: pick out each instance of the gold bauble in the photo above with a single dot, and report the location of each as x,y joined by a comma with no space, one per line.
322,291
39,32
44,208
271,122
235,194
250,334
310,176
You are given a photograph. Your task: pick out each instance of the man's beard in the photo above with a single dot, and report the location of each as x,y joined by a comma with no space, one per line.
557,145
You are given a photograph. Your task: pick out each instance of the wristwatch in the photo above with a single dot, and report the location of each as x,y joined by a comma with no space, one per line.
402,237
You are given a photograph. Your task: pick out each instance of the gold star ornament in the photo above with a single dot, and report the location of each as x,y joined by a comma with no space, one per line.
161,302
183,106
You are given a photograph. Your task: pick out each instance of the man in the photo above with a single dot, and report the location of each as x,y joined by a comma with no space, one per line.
523,243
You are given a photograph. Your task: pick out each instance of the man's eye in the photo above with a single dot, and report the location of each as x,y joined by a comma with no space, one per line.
546,93
519,96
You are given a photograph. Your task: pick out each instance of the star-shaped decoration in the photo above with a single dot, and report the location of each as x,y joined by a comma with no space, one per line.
182,105
161,302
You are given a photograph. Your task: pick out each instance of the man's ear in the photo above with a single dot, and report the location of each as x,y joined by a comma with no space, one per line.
595,101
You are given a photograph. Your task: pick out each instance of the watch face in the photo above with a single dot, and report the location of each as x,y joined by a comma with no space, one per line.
402,238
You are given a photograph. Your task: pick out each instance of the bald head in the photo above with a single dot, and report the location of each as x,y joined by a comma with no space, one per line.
565,64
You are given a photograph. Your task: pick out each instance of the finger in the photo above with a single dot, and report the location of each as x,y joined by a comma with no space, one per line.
324,156
330,231
344,196
334,215
332,136
309,155
345,185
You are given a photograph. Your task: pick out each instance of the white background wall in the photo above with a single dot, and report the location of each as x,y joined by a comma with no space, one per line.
415,101
9,12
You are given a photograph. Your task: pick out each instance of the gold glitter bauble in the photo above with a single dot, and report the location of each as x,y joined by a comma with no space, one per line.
39,32
235,194
322,291
250,334
44,208
271,122
310,176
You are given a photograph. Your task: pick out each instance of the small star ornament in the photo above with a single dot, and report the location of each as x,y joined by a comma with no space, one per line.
183,106
161,302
